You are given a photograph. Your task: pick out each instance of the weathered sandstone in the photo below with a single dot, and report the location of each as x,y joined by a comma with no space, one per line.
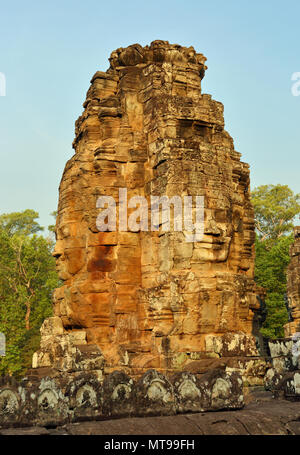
293,287
262,415
150,299
51,401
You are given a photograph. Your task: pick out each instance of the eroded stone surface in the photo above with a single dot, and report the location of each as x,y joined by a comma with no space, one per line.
118,395
154,394
283,378
50,403
187,392
85,397
221,390
66,352
262,416
282,355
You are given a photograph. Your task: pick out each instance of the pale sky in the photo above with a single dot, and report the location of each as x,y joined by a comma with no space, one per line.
49,51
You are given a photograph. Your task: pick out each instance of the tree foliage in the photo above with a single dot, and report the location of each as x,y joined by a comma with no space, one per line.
276,207
27,279
22,223
272,259
51,228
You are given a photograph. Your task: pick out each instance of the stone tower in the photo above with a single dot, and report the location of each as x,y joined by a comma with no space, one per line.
293,286
151,299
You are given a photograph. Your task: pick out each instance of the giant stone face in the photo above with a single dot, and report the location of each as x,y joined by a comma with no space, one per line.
147,297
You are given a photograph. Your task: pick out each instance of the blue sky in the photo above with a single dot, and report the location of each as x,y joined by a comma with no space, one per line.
49,51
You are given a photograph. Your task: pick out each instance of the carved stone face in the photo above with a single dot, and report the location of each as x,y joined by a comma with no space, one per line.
295,307
69,250
147,127
216,242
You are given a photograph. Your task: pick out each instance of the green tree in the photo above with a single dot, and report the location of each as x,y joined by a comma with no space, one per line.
51,227
27,280
23,223
272,259
276,207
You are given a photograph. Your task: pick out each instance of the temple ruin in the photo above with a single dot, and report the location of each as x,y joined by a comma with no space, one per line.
293,287
152,299
156,315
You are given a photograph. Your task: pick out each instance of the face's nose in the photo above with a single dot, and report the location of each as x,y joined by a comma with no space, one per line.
212,228
58,251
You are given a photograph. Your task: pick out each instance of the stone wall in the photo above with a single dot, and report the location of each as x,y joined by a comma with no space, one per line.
283,378
50,399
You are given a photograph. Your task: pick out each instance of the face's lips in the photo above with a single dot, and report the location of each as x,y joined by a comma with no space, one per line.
58,260
213,242
59,266
215,239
